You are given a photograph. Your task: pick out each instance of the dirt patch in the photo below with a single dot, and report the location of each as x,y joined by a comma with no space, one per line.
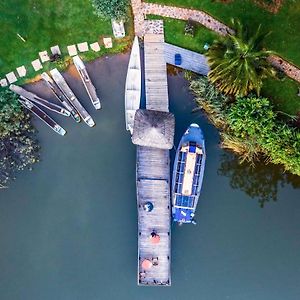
272,6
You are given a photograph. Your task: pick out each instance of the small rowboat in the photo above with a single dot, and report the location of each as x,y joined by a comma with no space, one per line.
133,85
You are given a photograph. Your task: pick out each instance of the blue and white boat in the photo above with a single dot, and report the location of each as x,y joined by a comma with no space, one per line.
188,174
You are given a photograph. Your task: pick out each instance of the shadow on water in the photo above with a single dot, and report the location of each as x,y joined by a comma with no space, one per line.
260,182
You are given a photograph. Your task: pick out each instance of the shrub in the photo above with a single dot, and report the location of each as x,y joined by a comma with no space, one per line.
111,9
250,127
18,147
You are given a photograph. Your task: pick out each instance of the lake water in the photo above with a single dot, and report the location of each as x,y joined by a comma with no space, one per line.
68,229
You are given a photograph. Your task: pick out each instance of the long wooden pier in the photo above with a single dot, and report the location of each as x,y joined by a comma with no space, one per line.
191,60
153,178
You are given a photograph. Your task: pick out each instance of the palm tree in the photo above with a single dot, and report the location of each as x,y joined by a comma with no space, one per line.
238,62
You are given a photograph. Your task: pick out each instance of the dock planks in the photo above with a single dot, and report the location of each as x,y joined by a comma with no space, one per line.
153,176
191,60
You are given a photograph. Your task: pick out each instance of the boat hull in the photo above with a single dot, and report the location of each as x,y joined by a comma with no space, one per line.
188,174
133,85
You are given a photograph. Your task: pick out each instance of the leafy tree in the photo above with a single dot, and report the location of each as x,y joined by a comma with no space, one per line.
18,147
249,127
238,61
111,9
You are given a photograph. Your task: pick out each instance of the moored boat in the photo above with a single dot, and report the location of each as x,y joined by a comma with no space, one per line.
42,115
188,174
133,85
89,87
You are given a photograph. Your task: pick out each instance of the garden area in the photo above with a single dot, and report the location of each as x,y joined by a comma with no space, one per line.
283,38
43,24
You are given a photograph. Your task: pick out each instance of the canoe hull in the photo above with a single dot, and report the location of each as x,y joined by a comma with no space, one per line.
133,85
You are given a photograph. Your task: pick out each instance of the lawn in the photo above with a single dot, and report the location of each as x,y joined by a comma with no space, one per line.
283,93
45,23
285,25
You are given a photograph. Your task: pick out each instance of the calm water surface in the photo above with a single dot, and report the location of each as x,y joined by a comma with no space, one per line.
68,229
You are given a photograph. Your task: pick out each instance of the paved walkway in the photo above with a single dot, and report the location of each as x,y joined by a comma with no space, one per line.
140,9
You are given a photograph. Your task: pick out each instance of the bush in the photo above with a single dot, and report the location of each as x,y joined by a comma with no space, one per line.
111,9
18,147
250,127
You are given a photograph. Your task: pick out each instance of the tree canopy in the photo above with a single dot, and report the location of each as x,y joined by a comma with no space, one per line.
239,62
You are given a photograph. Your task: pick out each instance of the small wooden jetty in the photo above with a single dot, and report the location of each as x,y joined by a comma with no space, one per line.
65,89
60,96
38,100
42,115
191,60
153,134
89,87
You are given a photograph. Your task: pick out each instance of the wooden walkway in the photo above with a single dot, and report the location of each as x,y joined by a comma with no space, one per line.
153,176
155,73
191,61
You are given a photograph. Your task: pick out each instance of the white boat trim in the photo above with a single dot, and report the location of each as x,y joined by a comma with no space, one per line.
133,85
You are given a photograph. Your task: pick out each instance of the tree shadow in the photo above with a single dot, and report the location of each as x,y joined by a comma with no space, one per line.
260,182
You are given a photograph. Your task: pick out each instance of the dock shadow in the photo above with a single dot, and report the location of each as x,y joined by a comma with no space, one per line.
260,182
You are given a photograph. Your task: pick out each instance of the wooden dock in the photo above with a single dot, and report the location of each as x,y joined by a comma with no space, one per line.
153,177
191,60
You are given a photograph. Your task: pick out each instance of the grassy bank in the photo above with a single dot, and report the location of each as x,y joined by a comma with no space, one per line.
283,93
46,23
285,37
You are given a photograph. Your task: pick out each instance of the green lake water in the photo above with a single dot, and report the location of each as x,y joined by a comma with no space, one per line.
68,229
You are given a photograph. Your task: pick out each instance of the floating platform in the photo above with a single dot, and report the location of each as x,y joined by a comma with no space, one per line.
90,89
42,115
38,100
65,89
60,96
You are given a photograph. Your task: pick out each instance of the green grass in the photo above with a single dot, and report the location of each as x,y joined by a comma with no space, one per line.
284,39
174,33
46,23
285,25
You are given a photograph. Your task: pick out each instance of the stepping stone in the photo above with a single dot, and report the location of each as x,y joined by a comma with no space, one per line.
44,56
107,42
36,65
72,50
83,47
3,82
21,71
11,77
55,50
95,47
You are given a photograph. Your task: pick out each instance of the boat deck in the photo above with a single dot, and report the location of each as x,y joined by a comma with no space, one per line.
191,60
153,176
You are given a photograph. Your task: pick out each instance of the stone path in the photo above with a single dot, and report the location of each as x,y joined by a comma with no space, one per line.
141,9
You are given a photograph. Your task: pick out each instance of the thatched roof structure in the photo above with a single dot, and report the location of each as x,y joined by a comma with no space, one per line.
153,129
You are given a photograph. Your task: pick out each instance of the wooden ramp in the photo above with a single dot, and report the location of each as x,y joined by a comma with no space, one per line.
191,60
155,73
153,176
